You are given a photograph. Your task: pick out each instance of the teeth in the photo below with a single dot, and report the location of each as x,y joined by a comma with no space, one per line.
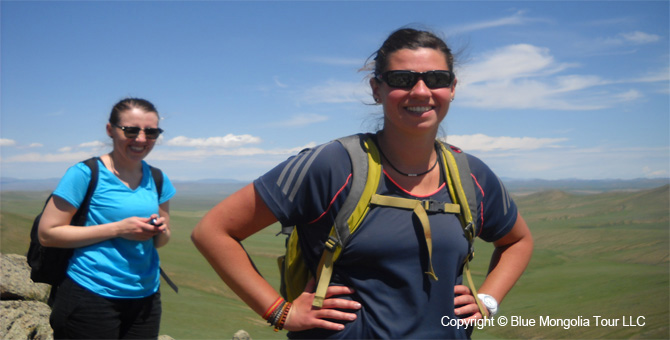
137,148
419,108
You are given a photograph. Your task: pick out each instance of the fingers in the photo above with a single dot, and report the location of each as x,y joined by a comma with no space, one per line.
465,303
340,304
462,290
338,290
303,315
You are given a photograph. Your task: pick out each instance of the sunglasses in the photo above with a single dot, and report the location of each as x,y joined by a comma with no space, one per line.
407,79
134,131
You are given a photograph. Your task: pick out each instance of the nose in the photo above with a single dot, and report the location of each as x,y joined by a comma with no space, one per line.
420,89
141,136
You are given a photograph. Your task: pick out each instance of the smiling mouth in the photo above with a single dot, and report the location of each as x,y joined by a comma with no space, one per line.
419,109
137,148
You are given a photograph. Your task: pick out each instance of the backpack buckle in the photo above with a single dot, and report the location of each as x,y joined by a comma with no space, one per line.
331,244
469,231
433,206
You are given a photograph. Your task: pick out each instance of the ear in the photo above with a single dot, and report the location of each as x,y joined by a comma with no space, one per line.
453,88
109,130
374,85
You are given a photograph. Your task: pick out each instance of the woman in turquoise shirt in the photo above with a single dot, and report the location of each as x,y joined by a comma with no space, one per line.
112,284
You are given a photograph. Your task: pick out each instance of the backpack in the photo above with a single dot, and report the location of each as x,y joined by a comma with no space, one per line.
366,174
48,264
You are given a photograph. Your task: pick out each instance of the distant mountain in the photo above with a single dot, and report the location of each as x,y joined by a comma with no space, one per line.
15,184
583,185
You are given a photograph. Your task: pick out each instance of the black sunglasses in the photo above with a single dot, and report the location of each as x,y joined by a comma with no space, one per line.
407,79
134,131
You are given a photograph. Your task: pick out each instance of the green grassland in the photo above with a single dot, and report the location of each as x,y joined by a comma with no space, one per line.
600,255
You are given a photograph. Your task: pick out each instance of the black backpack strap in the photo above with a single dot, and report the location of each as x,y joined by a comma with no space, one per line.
157,174
80,216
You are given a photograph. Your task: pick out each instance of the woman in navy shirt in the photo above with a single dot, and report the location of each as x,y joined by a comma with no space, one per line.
379,287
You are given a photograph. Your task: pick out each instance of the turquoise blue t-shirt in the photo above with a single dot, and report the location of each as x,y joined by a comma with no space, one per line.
115,268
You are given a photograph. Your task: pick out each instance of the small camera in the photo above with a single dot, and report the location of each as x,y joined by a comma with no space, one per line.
154,222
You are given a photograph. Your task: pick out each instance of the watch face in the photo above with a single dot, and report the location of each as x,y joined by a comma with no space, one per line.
489,302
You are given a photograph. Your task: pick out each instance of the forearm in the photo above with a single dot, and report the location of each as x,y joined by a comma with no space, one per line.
163,238
508,262
217,236
68,236
232,264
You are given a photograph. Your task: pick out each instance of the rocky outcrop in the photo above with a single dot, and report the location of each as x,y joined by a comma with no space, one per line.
24,313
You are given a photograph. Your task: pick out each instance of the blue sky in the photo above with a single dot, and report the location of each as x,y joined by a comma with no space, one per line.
547,89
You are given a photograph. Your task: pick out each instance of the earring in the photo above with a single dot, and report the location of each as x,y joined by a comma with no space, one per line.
377,100
452,99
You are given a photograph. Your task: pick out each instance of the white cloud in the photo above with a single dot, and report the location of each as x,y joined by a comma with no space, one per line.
599,162
628,39
509,63
71,157
516,19
638,37
337,92
7,142
528,77
93,144
209,153
481,142
278,83
227,141
302,120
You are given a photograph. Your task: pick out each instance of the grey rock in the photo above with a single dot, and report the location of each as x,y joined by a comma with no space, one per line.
25,320
241,335
15,283
24,313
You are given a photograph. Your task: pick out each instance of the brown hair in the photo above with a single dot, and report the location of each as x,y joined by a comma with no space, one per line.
130,103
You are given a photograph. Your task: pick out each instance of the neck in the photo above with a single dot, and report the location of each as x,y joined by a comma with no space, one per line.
409,154
122,167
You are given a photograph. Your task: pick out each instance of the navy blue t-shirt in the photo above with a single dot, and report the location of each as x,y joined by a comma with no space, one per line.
386,257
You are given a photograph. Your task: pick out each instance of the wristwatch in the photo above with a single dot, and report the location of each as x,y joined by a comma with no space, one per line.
490,303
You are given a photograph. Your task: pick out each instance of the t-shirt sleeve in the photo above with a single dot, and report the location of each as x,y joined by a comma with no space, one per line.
498,212
73,185
304,187
168,190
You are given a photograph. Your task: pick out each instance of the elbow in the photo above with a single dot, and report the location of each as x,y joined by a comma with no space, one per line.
196,236
45,240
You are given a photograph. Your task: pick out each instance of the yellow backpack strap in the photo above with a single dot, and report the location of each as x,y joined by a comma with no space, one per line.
457,178
419,207
366,172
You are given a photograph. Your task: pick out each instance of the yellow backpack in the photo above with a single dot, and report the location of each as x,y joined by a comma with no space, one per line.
367,171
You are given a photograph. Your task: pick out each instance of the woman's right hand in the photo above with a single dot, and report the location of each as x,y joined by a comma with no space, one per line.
138,229
303,315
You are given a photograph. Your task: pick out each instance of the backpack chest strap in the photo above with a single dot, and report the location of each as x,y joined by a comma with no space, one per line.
420,209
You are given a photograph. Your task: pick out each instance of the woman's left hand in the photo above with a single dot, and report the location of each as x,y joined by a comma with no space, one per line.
465,304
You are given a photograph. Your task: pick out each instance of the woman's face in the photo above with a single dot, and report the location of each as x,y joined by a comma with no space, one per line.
418,110
133,149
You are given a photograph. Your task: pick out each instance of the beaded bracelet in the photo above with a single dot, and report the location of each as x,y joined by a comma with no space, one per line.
272,308
285,309
273,319
277,313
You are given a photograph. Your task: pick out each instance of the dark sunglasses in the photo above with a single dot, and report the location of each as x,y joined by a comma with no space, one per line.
134,131
407,79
